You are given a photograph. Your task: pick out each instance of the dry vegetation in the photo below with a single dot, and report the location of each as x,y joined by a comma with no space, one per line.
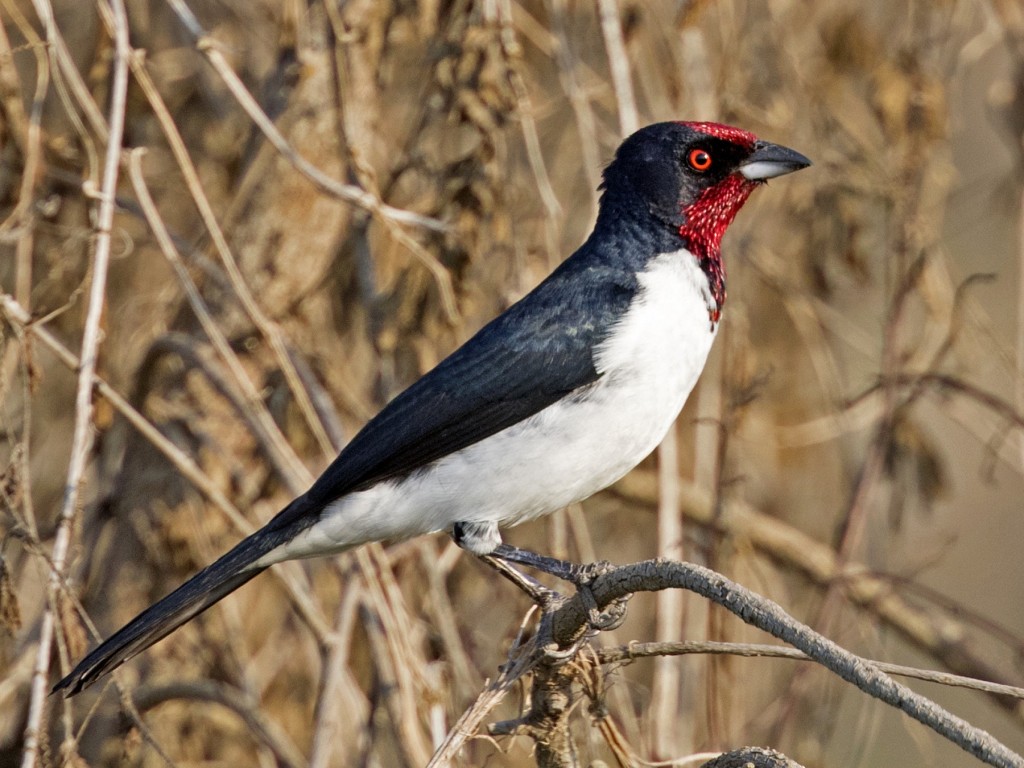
854,450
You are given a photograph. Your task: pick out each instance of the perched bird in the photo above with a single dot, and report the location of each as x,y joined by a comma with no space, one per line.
555,399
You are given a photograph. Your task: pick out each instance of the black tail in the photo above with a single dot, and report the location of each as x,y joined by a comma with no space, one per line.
190,599
159,620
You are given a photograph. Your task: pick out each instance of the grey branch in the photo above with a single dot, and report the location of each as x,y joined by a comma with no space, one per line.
752,757
569,622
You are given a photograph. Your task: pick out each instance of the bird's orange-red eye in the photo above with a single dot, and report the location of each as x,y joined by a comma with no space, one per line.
699,159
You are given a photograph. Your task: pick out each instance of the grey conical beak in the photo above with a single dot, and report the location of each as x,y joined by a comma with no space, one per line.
770,160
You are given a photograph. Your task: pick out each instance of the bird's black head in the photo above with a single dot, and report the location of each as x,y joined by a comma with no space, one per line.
687,181
679,171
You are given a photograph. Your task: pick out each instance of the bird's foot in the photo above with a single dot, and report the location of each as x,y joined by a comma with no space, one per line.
613,614
479,538
556,655
561,569
543,596
608,618
484,541
579,575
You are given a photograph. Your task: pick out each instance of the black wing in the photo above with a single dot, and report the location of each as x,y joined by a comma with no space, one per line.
537,352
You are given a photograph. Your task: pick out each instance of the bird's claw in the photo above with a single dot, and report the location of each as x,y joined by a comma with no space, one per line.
545,597
583,574
597,621
555,655
580,575
611,617
613,614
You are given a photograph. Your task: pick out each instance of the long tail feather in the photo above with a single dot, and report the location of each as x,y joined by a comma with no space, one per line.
193,597
159,620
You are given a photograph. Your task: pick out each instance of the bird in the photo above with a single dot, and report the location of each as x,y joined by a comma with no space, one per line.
553,400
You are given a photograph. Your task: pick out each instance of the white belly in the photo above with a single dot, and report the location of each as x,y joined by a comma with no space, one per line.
563,454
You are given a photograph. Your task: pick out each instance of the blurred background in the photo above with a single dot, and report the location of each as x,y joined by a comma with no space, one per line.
854,450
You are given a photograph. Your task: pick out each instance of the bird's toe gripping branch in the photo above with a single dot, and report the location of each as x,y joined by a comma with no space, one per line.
483,539
479,538
579,575
543,596
560,569
608,619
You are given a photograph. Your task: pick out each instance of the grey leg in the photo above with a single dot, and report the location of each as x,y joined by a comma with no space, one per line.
578,575
483,540
536,591
560,569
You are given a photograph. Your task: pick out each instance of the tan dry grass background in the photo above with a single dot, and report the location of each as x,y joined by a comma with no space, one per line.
854,450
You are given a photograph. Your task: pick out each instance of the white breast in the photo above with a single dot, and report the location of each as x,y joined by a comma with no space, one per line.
566,452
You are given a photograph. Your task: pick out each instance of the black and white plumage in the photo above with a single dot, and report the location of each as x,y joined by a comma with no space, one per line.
555,399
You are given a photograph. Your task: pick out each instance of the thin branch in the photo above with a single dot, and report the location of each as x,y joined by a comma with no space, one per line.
31,147
626,653
249,401
298,477
568,75
261,727
992,402
329,702
526,113
348,192
818,562
390,670
671,603
82,440
17,316
568,623
65,64
521,659
618,63
181,461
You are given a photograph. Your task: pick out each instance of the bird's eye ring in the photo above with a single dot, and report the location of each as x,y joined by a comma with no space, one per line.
699,160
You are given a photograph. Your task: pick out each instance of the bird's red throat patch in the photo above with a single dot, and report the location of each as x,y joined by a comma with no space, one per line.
712,212
707,218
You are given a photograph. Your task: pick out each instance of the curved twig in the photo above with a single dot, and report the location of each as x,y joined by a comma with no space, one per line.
348,192
570,621
264,729
82,440
626,653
